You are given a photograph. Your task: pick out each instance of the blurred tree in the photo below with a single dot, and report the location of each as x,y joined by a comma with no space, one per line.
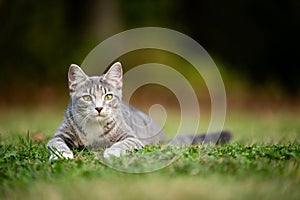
256,38
259,38
39,39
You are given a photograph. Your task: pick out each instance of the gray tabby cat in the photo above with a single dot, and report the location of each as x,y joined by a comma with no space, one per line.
96,117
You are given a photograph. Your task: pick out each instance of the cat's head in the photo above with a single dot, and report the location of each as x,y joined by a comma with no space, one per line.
95,96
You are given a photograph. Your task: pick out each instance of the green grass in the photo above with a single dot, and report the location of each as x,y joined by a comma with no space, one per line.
262,162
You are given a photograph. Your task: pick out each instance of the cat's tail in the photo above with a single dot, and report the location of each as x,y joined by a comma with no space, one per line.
213,138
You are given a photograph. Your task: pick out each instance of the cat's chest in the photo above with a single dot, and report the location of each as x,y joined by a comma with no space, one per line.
95,133
92,131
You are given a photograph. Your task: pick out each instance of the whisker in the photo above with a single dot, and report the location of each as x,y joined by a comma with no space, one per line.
83,121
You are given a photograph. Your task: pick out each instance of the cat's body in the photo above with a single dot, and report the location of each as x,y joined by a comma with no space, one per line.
97,118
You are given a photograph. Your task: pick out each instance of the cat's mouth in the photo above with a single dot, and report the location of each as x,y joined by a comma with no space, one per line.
100,116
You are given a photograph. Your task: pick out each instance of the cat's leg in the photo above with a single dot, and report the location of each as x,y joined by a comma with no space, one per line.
59,149
119,148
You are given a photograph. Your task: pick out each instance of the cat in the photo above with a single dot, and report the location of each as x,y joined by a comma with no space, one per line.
96,117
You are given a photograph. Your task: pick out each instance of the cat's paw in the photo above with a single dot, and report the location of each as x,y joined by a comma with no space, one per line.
117,152
62,155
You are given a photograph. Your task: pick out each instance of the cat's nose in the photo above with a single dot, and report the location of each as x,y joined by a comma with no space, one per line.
99,109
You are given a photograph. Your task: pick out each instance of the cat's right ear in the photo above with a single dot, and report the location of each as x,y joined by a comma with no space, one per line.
75,76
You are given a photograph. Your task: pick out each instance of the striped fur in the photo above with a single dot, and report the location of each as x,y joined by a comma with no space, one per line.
97,118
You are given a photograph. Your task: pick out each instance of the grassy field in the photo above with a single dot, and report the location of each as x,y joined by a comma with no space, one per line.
262,162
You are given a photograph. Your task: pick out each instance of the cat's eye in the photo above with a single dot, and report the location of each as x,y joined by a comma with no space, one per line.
87,98
108,97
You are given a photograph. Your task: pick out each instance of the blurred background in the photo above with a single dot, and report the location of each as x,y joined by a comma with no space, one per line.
254,43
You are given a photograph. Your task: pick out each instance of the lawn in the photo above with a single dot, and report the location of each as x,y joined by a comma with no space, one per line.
262,162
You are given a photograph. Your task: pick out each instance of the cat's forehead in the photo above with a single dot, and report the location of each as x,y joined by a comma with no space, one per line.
95,85
95,82
95,79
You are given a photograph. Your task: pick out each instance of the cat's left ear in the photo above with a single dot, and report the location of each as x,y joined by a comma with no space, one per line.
114,75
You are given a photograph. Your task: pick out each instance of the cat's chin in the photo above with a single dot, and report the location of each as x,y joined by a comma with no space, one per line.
100,117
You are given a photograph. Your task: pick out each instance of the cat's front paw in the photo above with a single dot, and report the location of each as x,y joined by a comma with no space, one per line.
117,152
